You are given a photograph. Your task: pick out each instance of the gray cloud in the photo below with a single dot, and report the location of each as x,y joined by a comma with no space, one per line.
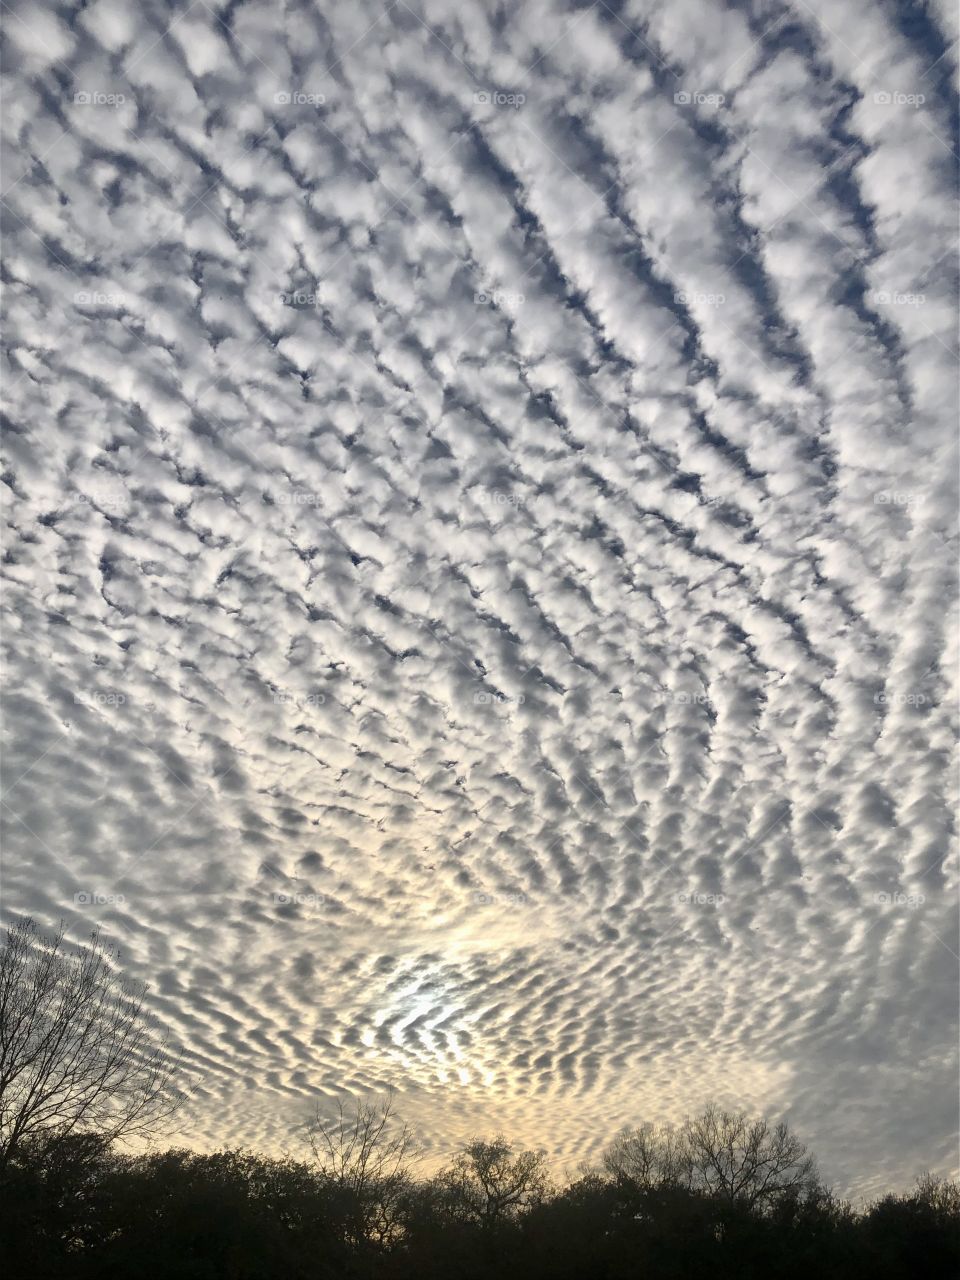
479,548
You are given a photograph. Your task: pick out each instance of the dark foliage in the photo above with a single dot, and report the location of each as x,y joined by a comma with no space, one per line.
75,1209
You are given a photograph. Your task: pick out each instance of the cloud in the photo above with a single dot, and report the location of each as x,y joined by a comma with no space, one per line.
479,551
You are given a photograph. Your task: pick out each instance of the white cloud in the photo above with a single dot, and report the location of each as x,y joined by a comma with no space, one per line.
478,569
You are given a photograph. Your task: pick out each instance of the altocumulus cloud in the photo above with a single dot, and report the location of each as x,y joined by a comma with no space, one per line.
479,547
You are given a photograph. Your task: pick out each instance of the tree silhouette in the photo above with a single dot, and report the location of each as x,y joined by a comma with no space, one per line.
651,1157
367,1154
747,1161
721,1195
76,1053
488,1183
726,1154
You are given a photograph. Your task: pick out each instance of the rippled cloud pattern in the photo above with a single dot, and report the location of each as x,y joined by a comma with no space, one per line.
480,554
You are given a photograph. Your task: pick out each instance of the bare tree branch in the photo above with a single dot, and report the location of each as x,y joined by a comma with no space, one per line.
367,1153
76,1053
489,1183
723,1153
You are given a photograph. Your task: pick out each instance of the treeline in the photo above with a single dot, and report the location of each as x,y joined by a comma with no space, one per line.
81,1070
75,1209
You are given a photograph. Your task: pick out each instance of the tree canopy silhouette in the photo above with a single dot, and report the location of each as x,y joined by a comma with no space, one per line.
726,1154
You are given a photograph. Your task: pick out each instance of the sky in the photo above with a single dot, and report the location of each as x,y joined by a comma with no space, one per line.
480,552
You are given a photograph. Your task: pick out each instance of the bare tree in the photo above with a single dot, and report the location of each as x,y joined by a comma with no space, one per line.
749,1161
941,1194
652,1157
726,1154
76,1053
367,1153
488,1182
